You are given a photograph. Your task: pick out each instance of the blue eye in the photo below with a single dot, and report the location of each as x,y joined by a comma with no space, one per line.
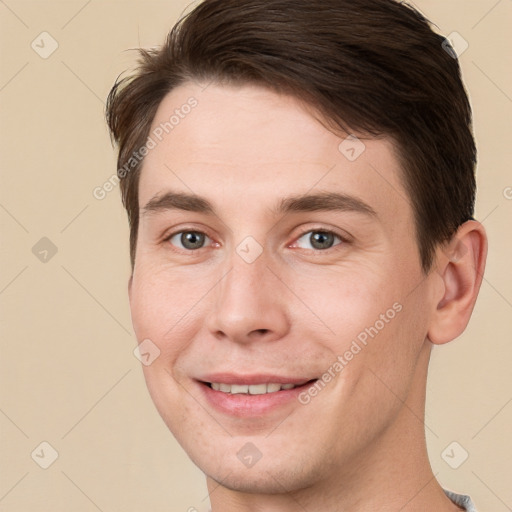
320,239
189,240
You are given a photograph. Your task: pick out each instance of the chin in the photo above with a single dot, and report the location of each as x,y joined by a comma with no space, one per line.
273,480
272,474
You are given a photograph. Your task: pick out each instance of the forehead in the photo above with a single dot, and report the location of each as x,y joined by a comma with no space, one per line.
233,144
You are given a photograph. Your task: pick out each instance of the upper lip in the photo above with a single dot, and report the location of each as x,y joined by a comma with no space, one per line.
260,378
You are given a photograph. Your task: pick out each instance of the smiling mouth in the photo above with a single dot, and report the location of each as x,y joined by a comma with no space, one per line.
255,389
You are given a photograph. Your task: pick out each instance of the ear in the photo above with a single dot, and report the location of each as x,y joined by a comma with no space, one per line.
461,265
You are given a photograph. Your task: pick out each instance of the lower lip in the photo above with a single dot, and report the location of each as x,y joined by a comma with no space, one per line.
244,405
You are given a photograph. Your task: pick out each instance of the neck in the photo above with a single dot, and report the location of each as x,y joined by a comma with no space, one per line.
392,473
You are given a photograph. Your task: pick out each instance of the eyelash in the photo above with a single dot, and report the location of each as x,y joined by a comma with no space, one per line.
343,240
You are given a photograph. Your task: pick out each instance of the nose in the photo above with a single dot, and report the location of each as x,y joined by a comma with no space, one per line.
249,303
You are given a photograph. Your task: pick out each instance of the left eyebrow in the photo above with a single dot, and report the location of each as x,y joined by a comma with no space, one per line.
324,201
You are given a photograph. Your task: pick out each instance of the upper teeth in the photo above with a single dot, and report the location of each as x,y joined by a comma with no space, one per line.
251,389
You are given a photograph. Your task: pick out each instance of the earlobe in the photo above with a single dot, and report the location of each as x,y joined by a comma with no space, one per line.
461,264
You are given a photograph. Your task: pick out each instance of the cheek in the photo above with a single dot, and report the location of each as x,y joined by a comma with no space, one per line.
162,301
378,329
162,311
389,359
348,303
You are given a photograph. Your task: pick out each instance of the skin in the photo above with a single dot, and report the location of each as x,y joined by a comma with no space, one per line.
359,444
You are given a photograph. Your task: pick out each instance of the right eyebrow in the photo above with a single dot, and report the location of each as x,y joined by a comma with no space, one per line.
178,201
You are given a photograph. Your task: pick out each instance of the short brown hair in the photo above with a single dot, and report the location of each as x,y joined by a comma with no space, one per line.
371,67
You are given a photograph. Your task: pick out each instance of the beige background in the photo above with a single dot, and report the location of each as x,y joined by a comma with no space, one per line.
68,374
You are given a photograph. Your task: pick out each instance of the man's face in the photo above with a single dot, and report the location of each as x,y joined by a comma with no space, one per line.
267,289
